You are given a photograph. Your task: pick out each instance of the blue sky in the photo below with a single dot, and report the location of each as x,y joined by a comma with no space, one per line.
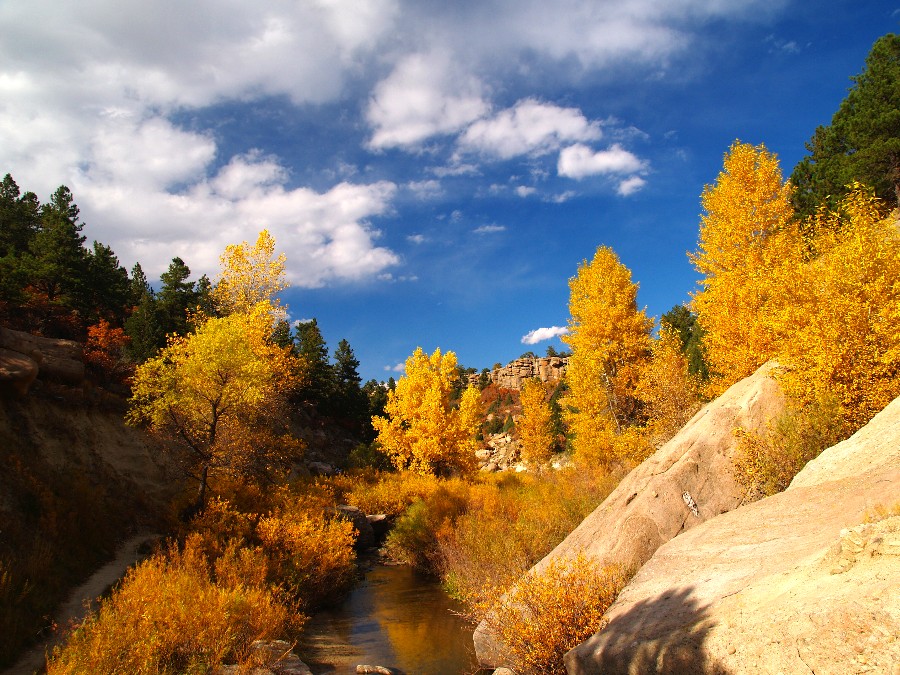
435,172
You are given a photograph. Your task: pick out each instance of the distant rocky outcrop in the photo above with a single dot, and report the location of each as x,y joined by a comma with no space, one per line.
687,481
795,583
514,374
24,357
501,453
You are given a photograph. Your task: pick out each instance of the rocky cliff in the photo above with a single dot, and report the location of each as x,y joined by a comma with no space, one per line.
806,581
514,374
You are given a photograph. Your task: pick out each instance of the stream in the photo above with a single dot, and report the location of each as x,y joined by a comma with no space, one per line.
394,618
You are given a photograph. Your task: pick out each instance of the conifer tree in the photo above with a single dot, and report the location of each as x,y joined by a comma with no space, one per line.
176,297
862,143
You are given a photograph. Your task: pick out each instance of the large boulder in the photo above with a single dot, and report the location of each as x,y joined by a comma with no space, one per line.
59,360
795,583
686,482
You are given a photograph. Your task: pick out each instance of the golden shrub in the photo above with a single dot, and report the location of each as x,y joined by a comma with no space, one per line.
549,612
311,556
167,616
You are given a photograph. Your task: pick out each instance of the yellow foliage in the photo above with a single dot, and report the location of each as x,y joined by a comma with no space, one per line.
310,555
250,275
845,316
748,249
168,617
669,391
610,341
423,432
526,516
535,427
388,493
549,612
204,391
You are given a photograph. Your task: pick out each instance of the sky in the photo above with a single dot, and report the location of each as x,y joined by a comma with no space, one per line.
435,172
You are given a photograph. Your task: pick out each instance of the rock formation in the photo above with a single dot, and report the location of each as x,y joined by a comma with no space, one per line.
795,583
24,356
687,481
514,374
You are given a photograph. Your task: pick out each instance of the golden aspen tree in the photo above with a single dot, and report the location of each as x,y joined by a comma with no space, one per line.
669,391
423,432
845,317
536,425
205,391
610,340
747,246
249,275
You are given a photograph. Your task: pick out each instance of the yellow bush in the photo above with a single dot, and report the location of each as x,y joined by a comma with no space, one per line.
548,613
510,524
389,493
310,555
167,616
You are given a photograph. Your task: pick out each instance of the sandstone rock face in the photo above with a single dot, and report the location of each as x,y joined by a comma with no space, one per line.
514,374
795,583
686,482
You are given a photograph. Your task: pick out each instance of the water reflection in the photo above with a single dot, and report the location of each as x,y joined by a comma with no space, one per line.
394,618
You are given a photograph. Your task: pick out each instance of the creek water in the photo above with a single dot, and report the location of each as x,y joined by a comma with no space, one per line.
394,618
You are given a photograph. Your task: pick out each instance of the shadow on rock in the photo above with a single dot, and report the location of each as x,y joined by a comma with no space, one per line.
666,634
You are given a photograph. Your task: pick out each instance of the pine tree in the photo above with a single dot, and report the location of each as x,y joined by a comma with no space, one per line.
862,143
176,297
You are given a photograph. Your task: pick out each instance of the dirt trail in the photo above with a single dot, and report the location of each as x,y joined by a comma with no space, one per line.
74,609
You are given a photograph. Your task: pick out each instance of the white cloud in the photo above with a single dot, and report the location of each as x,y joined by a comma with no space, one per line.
529,127
525,190
425,189
543,334
416,239
489,229
578,161
326,235
562,197
397,368
630,185
425,95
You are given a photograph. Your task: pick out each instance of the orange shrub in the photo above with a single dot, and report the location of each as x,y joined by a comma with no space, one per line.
167,616
548,613
311,556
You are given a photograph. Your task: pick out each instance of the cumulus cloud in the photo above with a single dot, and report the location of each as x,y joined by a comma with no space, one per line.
630,185
91,91
579,161
525,190
326,235
542,334
416,239
529,127
425,95
396,368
